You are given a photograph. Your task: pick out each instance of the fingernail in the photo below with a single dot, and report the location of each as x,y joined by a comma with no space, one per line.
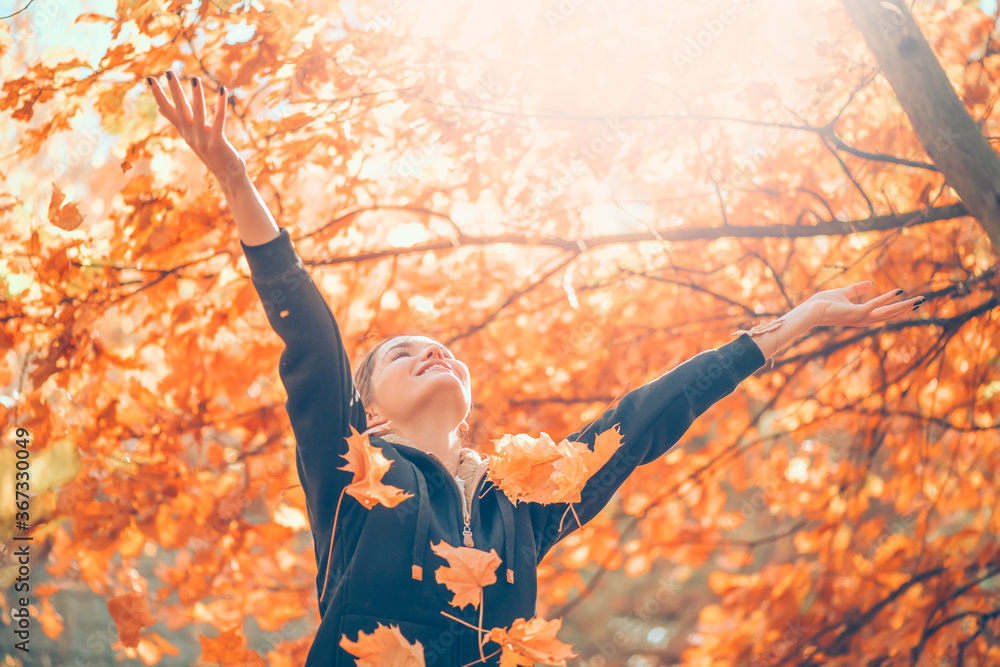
222,90
170,77
194,83
916,306
149,80
898,292
921,300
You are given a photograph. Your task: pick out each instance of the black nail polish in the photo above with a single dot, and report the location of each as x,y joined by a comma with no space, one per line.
222,90
194,83
149,80
898,292
922,299
170,77
916,306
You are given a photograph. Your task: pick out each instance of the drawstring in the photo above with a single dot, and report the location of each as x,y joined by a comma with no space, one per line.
508,535
423,522
420,541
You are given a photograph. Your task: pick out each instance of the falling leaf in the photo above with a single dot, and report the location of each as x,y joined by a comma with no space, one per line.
467,572
125,341
540,470
130,612
67,216
369,465
532,641
229,650
384,647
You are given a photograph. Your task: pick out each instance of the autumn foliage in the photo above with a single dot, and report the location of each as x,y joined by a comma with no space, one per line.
575,197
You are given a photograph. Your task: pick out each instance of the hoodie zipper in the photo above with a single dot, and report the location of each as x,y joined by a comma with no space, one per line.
466,511
467,532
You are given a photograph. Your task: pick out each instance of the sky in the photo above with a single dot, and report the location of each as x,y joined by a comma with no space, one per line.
46,29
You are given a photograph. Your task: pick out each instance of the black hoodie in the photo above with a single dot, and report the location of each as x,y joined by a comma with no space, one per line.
382,567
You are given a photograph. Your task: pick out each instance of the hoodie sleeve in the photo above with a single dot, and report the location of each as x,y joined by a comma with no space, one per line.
315,371
651,419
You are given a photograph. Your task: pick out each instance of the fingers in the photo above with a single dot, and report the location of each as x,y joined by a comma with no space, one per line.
857,289
198,102
166,108
180,101
896,310
904,305
180,112
220,113
884,299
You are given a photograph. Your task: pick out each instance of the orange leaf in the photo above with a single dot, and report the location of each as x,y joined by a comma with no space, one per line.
467,572
522,466
531,641
67,216
130,612
369,465
126,165
228,649
542,471
384,647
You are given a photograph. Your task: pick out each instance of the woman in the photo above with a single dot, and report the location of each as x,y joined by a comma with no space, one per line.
381,568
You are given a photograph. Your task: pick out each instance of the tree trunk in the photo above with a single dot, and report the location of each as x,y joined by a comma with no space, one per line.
950,136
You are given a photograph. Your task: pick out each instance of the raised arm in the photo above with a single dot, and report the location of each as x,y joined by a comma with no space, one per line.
314,368
210,144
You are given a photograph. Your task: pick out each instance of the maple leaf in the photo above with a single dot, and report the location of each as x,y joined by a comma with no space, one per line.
542,471
384,647
369,465
522,466
66,216
229,650
467,572
531,641
130,612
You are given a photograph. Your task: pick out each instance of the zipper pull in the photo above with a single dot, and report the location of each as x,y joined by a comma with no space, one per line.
467,534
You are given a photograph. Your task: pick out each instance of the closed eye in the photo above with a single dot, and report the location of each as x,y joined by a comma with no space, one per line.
401,353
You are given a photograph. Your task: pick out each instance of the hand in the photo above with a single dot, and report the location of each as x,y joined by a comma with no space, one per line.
834,307
209,143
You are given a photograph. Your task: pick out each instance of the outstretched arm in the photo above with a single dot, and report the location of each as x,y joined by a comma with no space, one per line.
314,368
651,420
655,416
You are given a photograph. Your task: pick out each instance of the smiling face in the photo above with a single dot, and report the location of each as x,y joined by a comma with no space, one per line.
415,374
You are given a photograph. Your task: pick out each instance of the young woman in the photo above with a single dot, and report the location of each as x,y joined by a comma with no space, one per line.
381,569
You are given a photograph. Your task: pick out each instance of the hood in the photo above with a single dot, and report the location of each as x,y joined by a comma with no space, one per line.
471,469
